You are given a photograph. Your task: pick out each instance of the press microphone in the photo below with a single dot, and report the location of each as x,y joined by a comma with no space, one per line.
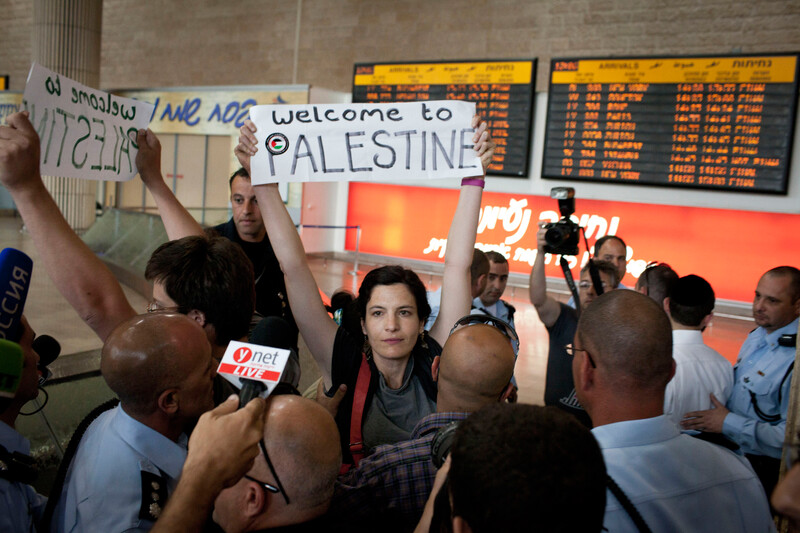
11,361
257,368
15,277
275,331
48,349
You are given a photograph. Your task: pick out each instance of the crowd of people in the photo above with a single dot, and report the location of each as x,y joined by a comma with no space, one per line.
416,426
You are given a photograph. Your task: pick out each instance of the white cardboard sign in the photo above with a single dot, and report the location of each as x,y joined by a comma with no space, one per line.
364,142
260,363
84,132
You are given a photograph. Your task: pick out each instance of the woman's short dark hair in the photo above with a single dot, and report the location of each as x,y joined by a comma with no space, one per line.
212,275
391,275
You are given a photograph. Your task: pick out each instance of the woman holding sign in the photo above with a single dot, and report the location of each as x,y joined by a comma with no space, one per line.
387,372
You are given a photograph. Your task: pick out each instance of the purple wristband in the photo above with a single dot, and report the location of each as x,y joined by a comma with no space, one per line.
478,182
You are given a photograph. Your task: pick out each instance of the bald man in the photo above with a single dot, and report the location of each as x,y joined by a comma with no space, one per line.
130,458
302,441
622,361
391,485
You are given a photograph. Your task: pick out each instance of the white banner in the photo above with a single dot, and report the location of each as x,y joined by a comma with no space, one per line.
85,133
364,142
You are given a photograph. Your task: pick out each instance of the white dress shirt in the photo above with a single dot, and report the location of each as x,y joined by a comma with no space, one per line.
699,372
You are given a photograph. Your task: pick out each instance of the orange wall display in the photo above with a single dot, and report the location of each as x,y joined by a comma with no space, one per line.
731,249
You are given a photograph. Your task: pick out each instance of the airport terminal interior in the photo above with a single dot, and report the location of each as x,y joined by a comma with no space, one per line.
722,202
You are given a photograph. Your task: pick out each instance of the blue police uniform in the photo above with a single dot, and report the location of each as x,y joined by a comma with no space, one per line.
504,311
435,301
20,506
763,369
120,477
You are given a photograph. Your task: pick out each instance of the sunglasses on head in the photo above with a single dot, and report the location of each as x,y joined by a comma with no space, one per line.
504,327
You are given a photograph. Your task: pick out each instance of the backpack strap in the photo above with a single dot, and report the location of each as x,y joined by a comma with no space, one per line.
357,413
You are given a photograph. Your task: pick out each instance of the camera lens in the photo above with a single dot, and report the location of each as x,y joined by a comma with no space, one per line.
555,235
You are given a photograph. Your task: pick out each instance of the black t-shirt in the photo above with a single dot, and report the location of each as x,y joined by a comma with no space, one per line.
559,389
271,297
347,350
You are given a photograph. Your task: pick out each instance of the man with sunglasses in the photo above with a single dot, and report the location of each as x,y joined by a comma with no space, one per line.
561,322
290,485
622,362
389,488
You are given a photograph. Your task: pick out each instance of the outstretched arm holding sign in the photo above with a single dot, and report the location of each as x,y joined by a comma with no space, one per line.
456,292
317,328
177,220
83,279
313,321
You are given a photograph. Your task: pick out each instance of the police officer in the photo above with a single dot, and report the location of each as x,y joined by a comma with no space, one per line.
755,415
130,458
489,301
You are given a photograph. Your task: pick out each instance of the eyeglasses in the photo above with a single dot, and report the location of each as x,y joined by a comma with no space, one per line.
571,350
585,284
155,307
268,486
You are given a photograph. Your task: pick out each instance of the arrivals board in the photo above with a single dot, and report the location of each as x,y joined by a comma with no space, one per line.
722,122
502,91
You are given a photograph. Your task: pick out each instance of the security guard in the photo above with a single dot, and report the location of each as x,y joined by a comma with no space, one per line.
755,415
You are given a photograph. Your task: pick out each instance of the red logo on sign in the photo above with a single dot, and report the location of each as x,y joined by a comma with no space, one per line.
242,355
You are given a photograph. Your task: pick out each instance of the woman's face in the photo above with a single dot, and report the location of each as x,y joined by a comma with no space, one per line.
392,323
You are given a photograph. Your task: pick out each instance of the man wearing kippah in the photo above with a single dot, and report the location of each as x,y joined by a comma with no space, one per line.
700,370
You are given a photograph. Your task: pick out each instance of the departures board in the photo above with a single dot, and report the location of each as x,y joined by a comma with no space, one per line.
721,122
502,92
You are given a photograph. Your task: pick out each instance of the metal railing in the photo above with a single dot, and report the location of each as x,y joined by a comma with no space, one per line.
355,271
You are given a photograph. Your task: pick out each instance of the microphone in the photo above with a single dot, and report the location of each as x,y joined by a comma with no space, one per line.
275,331
11,362
15,277
257,367
48,349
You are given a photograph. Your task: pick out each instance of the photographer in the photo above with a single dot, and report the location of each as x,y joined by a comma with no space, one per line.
561,322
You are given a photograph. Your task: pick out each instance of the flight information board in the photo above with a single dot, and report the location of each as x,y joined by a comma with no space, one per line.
723,122
501,90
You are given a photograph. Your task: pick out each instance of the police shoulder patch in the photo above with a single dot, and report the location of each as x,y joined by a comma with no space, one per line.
154,496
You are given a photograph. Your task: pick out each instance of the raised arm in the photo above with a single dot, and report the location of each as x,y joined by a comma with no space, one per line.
82,278
545,305
315,325
177,220
456,295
